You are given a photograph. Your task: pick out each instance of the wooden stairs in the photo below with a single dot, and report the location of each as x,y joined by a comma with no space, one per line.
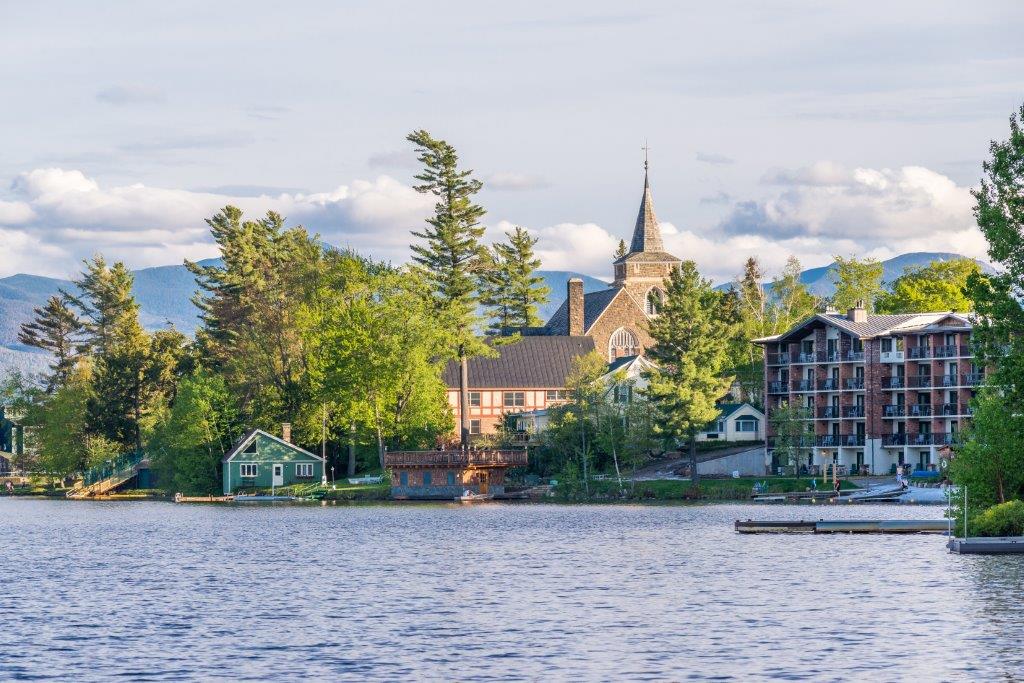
103,479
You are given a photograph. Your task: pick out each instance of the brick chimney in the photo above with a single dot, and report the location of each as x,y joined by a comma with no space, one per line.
858,314
574,299
286,431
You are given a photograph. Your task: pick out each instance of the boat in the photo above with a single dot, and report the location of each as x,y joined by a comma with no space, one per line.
256,498
468,497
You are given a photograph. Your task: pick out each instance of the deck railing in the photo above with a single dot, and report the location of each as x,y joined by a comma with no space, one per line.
456,458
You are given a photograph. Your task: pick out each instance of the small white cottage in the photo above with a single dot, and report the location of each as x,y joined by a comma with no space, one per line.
735,422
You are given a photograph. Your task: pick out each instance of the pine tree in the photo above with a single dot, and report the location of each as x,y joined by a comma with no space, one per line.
451,257
691,349
56,329
510,288
120,348
620,250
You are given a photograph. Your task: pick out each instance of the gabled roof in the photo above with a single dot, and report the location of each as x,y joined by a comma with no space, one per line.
629,364
726,410
594,304
875,325
251,435
532,362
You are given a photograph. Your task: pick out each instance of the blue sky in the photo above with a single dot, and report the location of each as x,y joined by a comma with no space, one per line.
791,127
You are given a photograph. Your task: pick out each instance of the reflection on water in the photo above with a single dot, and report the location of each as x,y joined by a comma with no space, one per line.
93,591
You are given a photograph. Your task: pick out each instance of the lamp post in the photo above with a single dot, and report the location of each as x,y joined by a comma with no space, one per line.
333,484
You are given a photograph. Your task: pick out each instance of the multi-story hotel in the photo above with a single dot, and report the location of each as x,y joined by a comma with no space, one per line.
875,390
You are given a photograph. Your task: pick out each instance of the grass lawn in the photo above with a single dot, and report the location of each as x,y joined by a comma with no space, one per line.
709,489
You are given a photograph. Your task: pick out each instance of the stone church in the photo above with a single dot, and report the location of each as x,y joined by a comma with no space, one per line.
616,317
530,375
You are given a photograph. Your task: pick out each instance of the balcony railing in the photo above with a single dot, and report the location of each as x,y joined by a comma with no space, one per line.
919,352
829,413
854,383
777,359
952,351
950,409
972,379
831,356
808,357
894,382
853,356
896,410
803,385
829,384
777,388
853,411
838,440
919,410
919,381
506,458
806,441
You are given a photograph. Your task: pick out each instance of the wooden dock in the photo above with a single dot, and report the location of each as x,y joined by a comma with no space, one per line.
996,545
178,498
844,526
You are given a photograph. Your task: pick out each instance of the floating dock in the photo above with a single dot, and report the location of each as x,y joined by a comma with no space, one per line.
845,526
996,545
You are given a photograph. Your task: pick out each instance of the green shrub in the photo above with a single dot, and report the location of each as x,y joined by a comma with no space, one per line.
1006,519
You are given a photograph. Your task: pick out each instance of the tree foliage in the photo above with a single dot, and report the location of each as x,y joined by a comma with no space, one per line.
55,328
691,350
510,288
857,281
938,286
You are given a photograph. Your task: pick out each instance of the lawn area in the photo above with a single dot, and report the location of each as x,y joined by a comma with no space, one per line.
709,489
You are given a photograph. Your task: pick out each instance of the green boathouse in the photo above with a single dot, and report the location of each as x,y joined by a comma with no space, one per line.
260,460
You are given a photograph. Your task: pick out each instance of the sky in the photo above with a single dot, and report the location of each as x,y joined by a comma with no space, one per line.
775,129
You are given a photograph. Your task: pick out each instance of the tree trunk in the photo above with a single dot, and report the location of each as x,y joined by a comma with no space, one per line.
352,451
380,448
694,475
583,440
464,399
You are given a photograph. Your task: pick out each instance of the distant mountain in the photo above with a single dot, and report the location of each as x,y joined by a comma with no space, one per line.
164,294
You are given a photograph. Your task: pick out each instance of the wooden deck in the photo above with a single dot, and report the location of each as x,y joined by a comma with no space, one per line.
456,458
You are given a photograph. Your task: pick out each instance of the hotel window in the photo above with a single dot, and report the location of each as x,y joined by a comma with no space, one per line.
304,469
474,426
513,399
248,469
886,344
474,399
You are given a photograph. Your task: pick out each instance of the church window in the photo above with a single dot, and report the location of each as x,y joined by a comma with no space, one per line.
653,301
623,343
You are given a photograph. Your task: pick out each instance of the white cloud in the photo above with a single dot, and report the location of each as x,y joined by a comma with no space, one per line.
514,182
121,95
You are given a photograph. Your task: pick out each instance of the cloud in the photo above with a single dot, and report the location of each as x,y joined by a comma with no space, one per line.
267,112
396,159
514,182
58,216
220,140
124,95
719,197
250,190
717,159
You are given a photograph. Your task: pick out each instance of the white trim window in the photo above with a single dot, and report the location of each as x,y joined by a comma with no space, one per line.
747,424
513,399
303,469
248,470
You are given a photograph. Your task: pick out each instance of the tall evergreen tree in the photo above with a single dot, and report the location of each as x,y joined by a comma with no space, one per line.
857,281
691,350
620,250
451,257
55,328
511,288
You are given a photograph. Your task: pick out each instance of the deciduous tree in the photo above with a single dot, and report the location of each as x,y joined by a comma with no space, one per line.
938,286
857,281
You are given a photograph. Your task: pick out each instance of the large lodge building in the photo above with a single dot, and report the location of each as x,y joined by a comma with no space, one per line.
876,390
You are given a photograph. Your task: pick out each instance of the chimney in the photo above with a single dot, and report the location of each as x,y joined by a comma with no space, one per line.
286,431
858,314
574,299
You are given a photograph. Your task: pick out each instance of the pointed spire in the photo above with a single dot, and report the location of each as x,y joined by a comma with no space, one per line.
646,233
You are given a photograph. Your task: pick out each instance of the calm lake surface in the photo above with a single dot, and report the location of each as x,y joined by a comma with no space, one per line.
157,591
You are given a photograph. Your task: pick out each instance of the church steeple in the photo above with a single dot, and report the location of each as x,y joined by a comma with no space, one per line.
646,233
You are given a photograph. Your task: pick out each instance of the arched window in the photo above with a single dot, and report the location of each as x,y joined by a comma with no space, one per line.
622,343
653,301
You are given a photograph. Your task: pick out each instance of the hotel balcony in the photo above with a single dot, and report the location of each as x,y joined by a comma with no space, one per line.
777,358
919,381
919,352
830,384
828,413
952,351
803,385
891,356
800,442
853,383
808,357
955,410
456,458
896,410
839,440
777,388
853,356
853,411
919,410
972,379
928,439
894,382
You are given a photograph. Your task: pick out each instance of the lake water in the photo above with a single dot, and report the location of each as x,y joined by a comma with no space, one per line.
157,591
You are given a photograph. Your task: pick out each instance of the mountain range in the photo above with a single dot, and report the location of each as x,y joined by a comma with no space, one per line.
165,296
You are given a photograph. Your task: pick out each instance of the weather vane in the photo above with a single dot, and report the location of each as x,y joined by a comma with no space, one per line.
646,149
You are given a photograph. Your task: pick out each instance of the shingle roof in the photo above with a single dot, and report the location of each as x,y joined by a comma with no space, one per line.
249,435
537,362
875,325
646,234
593,306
